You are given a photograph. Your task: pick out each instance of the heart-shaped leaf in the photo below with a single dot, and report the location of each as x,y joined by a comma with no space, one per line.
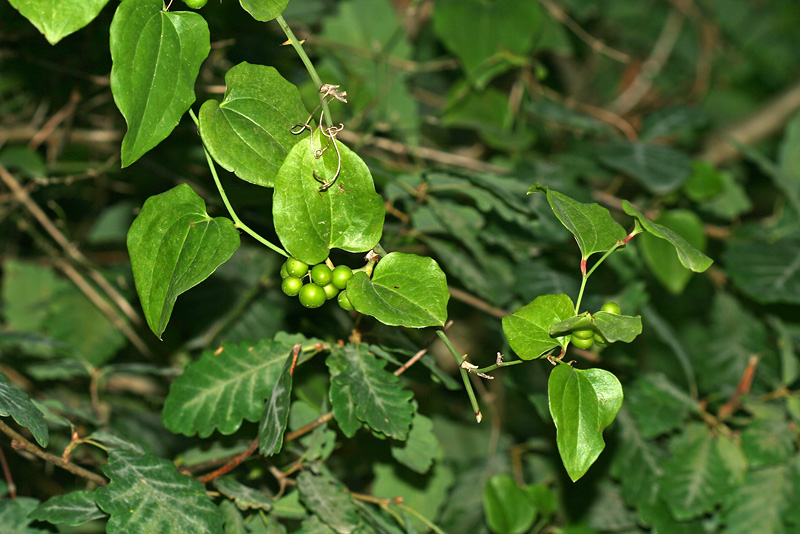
528,328
405,290
583,404
309,222
174,245
264,10
17,404
58,18
591,224
248,132
690,257
156,56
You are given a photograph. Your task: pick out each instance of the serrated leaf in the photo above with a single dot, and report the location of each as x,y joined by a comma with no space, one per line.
223,388
326,498
174,245
73,509
766,272
309,222
758,504
264,10
658,405
659,254
528,328
344,406
613,327
405,290
591,224
146,494
245,497
232,518
660,169
583,404
767,442
14,516
56,19
248,132
17,404
276,411
690,257
421,448
314,525
695,477
156,56
508,509
378,396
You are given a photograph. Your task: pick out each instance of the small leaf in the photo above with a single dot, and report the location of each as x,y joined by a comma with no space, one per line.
421,448
276,411
583,404
309,222
245,497
174,245
17,404
405,290
327,500
690,257
528,328
58,19
146,494
508,509
156,56
591,224
659,254
73,509
264,10
248,132
378,396
660,169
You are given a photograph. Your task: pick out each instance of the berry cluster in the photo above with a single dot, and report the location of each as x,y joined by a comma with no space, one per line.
324,283
585,338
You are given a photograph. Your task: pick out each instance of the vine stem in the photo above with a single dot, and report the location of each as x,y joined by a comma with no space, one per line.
237,221
298,47
586,274
464,375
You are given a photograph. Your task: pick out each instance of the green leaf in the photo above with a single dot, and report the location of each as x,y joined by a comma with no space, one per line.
378,396
758,504
424,494
232,518
591,224
421,448
484,34
528,328
245,497
508,509
314,525
695,477
264,10
276,411
583,404
613,327
690,257
224,387
146,494
405,290
327,500
14,516
659,254
156,56
56,19
658,405
765,271
17,404
248,132
344,405
767,442
309,222
174,245
73,509
660,169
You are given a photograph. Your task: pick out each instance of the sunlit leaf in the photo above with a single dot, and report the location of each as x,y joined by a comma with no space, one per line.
613,327
659,254
58,18
15,403
327,500
264,10
528,328
73,509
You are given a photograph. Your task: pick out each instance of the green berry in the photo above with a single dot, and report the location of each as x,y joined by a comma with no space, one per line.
330,291
611,307
600,341
341,274
195,4
582,343
312,296
321,275
344,302
291,285
284,272
296,268
586,333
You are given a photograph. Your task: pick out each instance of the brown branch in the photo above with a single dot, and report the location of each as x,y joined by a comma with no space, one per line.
477,303
238,459
302,431
19,442
12,488
727,409
411,361
596,44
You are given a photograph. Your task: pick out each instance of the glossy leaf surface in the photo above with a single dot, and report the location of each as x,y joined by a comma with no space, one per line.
264,10
156,56
174,245
248,132
528,328
613,327
16,403
659,254
405,290
58,18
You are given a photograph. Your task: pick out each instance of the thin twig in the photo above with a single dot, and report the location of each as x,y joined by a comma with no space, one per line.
302,431
476,303
60,116
19,442
743,388
411,361
12,488
596,44
238,459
